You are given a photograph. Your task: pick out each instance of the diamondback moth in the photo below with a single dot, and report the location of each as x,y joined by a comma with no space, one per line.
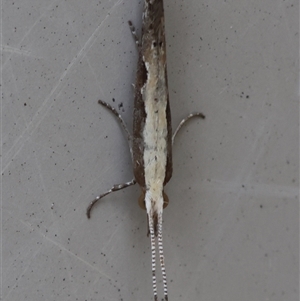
151,141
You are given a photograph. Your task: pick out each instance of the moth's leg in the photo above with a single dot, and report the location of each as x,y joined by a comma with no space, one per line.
114,188
183,121
115,112
136,39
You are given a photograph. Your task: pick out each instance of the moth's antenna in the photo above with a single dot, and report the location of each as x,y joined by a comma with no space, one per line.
161,256
153,255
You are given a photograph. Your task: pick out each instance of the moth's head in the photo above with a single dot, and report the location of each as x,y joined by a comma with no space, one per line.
142,202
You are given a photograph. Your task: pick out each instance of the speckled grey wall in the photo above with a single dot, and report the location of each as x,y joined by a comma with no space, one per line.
231,231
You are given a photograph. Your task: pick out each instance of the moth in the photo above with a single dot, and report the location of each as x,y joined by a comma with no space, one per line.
151,140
